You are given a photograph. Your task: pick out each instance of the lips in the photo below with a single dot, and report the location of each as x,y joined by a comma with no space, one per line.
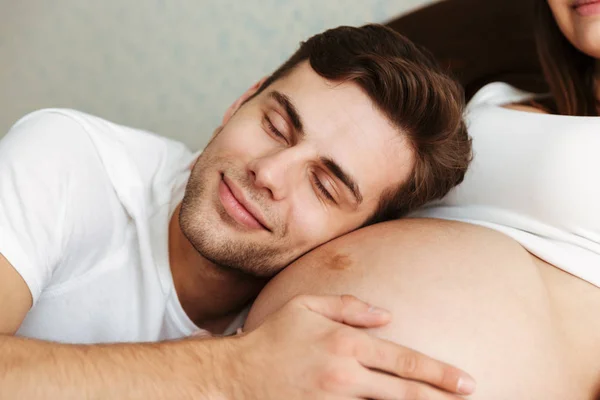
586,7
579,3
238,207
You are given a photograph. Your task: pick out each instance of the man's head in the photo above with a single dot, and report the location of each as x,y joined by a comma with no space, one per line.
358,126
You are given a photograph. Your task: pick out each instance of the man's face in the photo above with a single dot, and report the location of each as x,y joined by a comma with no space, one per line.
302,163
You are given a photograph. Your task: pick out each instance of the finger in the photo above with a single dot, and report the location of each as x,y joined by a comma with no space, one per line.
379,386
398,360
346,309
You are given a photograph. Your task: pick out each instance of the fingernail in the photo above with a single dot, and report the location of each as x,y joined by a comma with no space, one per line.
378,311
466,385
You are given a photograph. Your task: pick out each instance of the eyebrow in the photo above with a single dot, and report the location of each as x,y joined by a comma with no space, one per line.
290,110
343,176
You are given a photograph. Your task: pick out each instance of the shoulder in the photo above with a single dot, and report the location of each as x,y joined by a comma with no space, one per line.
67,137
44,146
56,135
500,94
54,192
67,125
53,144
42,124
524,107
51,159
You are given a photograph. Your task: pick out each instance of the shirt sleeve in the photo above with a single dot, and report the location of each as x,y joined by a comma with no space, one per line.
47,162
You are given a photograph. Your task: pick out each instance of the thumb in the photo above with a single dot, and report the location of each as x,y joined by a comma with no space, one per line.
346,309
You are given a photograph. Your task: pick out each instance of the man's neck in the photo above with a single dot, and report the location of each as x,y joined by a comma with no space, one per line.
210,295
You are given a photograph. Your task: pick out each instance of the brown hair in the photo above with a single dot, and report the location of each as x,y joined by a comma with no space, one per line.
568,71
414,93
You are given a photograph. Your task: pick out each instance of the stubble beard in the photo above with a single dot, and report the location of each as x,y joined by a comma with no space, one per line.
207,230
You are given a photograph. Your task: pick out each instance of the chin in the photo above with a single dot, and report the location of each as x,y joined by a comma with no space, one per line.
251,259
229,249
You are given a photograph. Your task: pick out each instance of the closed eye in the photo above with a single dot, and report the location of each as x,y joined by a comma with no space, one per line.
321,188
272,128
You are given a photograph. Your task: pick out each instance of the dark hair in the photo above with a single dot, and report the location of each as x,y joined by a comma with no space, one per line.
568,71
414,93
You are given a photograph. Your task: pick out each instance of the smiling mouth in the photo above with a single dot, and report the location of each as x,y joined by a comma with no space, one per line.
579,3
586,7
235,208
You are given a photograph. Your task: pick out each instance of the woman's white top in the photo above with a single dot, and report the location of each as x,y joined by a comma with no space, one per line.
534,177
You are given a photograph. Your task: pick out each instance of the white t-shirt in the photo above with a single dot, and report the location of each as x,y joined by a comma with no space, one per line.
84,212
534,177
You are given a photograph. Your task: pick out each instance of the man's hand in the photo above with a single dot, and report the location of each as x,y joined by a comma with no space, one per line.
310,350
306,350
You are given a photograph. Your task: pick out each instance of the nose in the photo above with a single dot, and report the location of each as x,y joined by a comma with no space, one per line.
274,172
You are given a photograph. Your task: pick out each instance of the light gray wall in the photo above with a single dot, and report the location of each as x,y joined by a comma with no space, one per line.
171,67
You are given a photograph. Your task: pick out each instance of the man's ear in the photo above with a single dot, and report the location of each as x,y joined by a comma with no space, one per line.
238,103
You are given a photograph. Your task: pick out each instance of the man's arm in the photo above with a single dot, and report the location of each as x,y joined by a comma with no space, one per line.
35,369
14,297
300,351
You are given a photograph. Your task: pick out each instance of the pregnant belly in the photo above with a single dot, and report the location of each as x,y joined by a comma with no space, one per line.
464,294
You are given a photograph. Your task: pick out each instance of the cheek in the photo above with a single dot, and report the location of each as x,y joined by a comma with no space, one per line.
310,228
241,136
564,17
309,222
587,38
312,225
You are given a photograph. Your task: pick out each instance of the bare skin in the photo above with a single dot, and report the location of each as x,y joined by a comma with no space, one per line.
466,295
283,174
303,349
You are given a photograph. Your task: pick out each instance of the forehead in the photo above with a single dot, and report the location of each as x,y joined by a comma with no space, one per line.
342,122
